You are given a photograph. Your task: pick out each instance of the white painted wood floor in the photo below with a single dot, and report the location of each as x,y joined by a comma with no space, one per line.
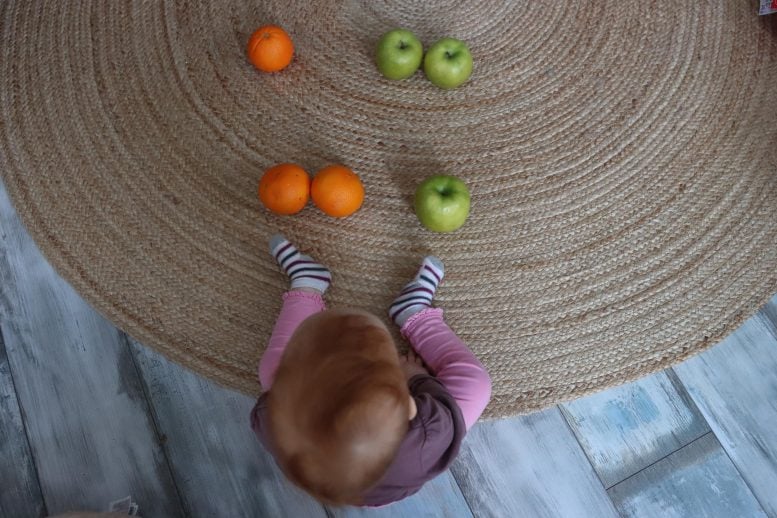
90,416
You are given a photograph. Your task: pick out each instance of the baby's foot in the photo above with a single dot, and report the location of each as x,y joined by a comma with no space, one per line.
418,294
303,271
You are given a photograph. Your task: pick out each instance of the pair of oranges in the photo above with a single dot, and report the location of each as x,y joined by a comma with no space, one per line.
336,190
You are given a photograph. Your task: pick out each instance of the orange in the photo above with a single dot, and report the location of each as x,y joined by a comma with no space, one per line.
337,191
270,48
284,188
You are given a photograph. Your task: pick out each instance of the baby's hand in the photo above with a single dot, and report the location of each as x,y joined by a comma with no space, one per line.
412,365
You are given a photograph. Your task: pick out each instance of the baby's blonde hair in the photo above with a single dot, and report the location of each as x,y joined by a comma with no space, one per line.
339,406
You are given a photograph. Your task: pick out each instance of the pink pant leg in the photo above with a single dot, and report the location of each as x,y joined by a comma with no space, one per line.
450,361
297,306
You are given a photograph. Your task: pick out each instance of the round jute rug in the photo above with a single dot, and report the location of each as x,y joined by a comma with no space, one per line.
622,160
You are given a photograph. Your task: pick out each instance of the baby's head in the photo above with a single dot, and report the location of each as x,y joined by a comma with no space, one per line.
339,406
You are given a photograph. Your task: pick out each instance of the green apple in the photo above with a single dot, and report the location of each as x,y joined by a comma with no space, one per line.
398,54
448,63
442,203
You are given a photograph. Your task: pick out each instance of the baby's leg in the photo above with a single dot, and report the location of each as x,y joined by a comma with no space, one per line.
309,280
297,306
449,359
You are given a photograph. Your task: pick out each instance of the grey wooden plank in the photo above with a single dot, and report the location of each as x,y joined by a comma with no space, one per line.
219,465
697,480
440,497
629,427
19,488
734,385
87,419
529,466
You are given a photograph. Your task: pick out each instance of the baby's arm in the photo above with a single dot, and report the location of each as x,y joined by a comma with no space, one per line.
451,362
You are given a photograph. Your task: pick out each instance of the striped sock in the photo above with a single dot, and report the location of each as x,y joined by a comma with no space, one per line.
418,294
303,271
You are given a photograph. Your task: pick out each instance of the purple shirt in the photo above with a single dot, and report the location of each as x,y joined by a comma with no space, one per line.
432,441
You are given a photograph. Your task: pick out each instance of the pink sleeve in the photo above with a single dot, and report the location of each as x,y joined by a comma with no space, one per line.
450,361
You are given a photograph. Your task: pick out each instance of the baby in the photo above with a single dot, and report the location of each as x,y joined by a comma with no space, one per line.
345,417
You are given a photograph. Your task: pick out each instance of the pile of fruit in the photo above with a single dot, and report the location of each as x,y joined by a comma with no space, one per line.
441,202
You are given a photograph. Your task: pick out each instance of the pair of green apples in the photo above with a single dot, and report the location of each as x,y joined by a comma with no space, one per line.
447,64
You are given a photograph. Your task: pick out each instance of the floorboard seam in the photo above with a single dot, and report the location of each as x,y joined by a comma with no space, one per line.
685,395
22,413
739,472
659,460
768,315
463,495
24,425
565,418
723,447
152,413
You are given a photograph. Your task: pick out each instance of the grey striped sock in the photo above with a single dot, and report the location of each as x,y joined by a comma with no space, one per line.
418,294
303,271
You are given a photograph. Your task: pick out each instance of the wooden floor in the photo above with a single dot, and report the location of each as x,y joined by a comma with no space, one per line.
90,416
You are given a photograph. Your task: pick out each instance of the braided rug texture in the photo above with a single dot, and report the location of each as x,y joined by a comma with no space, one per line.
621,156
